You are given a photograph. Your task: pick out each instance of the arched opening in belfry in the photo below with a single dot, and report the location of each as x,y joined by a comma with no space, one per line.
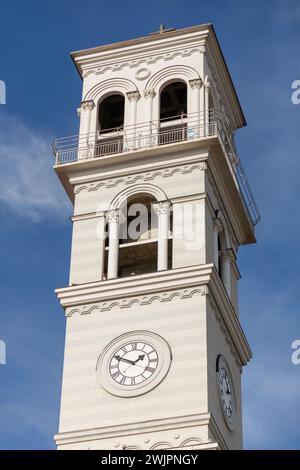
139,237
111,113
173,101
173,113
110,133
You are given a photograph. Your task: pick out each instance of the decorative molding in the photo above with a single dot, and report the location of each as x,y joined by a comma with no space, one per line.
217,225
224,330
112,216
116,433
142,73
196,83
140,61
90,215
133,95
162,207
142,177
150,93
229,255
87,105
141,300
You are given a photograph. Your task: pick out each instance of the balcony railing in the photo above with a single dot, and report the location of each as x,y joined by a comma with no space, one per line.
182,128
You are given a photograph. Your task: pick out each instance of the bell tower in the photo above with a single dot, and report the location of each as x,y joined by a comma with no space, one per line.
154,349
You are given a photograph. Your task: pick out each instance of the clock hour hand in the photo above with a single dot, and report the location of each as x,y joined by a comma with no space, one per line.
119,358
140,358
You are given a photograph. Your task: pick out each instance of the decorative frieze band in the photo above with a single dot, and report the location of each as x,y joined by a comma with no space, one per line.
141,177
141,300
144,61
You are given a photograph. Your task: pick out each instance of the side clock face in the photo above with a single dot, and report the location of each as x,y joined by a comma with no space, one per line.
226,391
133,363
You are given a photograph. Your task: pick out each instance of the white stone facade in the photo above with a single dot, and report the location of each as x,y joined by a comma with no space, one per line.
190,300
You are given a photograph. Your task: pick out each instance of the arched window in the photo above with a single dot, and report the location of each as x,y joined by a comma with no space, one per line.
173,101
111,113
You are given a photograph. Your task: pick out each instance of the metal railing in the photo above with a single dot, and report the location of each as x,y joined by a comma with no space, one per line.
153,134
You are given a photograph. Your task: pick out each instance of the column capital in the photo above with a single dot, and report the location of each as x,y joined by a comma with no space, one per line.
150,93
217,225
87,105
112,216
133,95
196,83
162,207
229,256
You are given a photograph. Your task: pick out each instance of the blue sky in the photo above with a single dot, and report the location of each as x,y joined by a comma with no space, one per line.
261,43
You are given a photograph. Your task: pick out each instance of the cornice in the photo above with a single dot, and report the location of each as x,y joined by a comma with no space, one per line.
164,286
140,286
87,216
134,428
228,320
141,51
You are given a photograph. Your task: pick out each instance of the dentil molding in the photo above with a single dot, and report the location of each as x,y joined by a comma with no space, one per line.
142,177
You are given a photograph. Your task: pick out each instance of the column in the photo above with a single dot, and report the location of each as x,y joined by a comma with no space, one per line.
228,257
217,228
84,112
151,132
162,209
194,118
207,129
112,218
130,141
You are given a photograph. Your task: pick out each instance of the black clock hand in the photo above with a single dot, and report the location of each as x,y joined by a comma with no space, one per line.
140,358
125,360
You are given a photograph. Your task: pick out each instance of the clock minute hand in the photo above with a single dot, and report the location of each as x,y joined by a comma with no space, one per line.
125,360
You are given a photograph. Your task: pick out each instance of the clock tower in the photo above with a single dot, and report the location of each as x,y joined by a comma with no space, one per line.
154,349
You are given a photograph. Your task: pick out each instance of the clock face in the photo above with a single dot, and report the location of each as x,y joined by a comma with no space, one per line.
133,363
226,391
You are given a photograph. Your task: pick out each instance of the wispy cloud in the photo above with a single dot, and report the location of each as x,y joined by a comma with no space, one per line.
28,185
